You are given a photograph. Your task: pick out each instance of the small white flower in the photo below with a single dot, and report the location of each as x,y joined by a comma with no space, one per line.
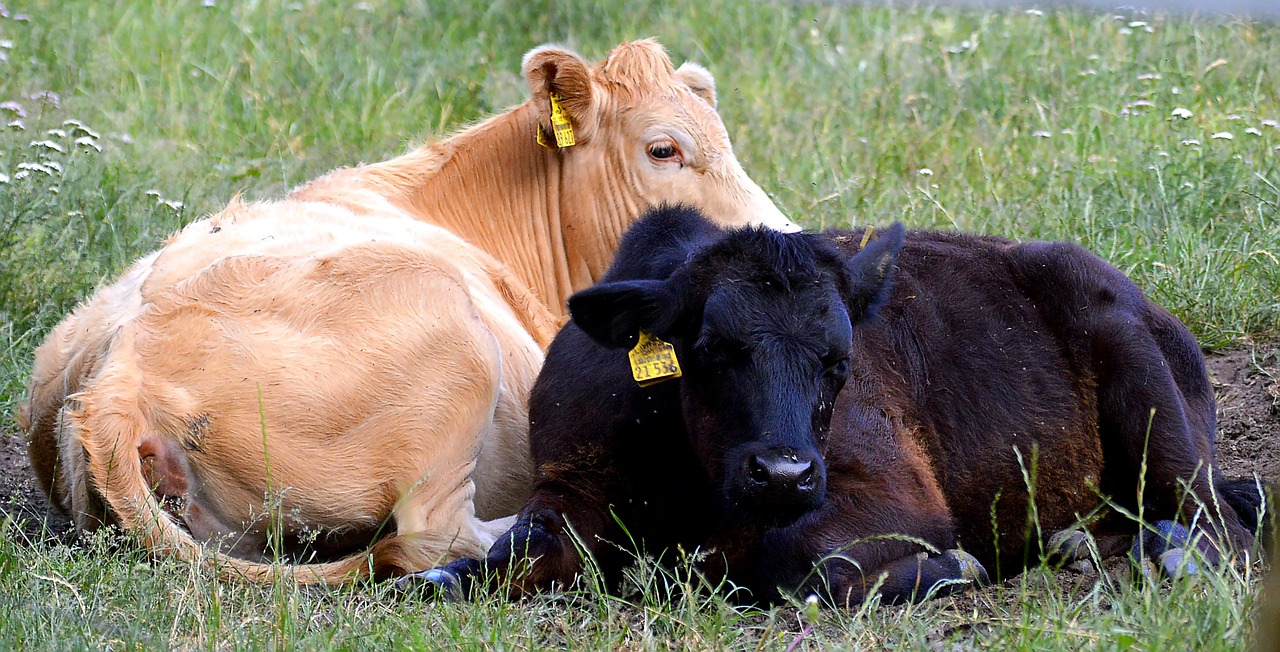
1188,184
1162,153
14,108
1137,23
54,165
1041,134
1223,135
1150,75
153,193
79,127
926,172
1034,12
1142,104
175,205
1094,57
6,44
17,125
1234,116
1089,73
207,3
56,132
27,166
1253,130
47,144
1175,90
1271,123
1191,142
1181,113
21,174
85,141
4,178
1067,132
1125,31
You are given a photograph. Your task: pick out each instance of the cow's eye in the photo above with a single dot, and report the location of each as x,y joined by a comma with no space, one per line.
836,366
664,151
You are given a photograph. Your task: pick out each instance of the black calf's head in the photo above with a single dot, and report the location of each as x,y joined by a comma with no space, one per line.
762,325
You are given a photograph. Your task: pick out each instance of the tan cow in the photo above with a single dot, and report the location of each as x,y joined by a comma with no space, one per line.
340,377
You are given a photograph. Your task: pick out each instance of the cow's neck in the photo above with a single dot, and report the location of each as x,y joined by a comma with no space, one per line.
495,187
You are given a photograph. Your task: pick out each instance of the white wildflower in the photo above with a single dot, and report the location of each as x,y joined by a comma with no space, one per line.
1143,104
79,127
1137,23
175,205
1041,134
1234,116
1089,73
59,133
154,193
925,172
85,141
27,166
1034,12
1150,75
1125,31
1253,130
1223,135
1188,184
1181,113
1162,153
21,174
47,144
17,125
4,178
6,44
1191,142
14,108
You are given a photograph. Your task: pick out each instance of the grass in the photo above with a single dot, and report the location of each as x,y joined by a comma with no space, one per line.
1058,124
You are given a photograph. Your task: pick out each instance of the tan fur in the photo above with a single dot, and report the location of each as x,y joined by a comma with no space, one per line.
352,362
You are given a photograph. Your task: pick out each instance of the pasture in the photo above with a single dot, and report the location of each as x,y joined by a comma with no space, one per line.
1152,140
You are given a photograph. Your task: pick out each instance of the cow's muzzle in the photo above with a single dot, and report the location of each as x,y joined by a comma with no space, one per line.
777,485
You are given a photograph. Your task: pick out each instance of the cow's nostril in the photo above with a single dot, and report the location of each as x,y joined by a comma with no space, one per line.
805,481
758,471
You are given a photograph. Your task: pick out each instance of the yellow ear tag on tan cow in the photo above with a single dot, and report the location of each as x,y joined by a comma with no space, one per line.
653,361
542,138
560,124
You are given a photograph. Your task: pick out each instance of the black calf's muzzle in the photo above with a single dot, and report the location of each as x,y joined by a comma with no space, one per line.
777,485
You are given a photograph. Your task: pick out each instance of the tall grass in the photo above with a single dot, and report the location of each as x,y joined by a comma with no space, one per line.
1110,130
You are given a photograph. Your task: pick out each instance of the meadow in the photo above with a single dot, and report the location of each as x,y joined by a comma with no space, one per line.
1153,140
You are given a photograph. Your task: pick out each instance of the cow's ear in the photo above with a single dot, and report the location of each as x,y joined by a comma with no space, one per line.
870,271
699,80
554,69
613,314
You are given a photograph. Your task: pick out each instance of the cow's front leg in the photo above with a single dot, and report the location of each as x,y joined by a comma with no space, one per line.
907,579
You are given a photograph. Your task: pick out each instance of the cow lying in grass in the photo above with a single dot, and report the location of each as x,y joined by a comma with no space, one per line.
353,361
848,416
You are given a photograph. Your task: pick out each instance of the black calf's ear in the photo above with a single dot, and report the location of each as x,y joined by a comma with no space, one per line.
613,314
871,270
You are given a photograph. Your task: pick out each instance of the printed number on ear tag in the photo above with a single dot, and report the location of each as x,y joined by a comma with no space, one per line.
653,361
560,124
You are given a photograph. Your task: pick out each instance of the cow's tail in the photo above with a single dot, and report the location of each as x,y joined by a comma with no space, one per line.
109,427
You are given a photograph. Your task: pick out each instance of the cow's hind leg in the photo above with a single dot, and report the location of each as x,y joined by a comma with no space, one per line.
1156,410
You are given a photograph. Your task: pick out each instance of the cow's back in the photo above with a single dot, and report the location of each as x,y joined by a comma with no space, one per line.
350,338
987,386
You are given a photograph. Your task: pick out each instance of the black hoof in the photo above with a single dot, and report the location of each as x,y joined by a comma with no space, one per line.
1165,547
442,582
970,568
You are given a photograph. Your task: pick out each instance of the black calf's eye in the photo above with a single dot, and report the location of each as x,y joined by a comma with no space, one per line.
837,367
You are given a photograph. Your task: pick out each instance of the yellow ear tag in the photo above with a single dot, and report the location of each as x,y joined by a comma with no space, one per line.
866,236
653,361
560,124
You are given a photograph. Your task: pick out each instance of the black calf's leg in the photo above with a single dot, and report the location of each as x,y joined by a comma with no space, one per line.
908,579
535,554
1155,404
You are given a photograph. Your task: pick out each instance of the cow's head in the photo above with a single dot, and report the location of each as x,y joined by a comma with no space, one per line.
762,323
648,132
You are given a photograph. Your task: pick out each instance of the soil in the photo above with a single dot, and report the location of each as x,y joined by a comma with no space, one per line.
1247,382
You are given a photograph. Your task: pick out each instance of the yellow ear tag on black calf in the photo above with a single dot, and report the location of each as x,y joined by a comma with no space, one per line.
653,361
560,124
